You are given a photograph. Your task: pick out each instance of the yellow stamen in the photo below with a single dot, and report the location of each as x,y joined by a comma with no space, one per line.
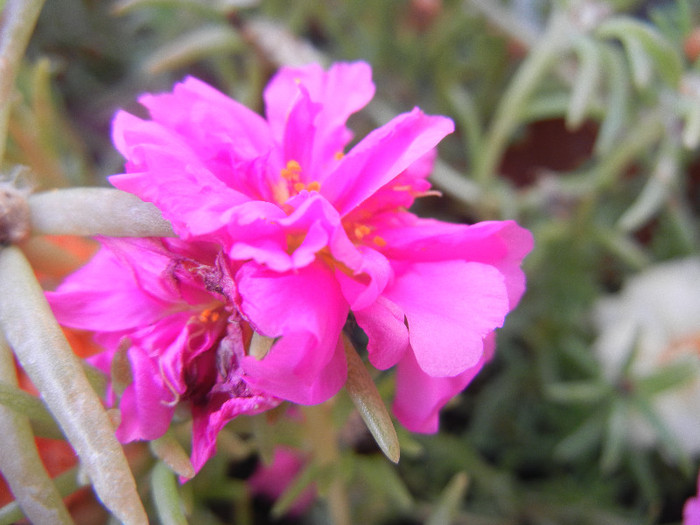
361,230
379,241
291,171
313,186
209,316
338,155
298,186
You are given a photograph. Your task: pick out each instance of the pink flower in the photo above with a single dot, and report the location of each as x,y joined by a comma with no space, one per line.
691,510
168,304
270,481
318,233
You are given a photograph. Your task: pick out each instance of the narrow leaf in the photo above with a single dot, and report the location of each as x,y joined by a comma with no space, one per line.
586,84
450,499
369,404
166,496
20,462
96,211
191,47
167,449
47,358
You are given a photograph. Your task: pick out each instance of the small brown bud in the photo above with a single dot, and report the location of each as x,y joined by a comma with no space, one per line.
14,214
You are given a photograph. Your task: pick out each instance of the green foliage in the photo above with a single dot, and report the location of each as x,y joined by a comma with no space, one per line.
541,436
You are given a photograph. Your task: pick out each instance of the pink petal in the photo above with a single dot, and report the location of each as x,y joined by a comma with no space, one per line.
188,194
501,244
451,307
419,397
272,480
209,419
691,509
381,156
205,118
387,333
146,406
369,279
88,299
306,311
341,91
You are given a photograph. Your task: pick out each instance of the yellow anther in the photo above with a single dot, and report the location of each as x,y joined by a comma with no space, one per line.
313,186
298,186
209,316
361,230
293,165
338,155
291,171
379,241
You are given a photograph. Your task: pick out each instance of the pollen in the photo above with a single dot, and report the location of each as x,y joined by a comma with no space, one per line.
361,230
291,171
379,241
298,186
209,316
338,155
314,186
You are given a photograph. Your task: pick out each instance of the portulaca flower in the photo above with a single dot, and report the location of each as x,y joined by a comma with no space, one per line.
655,321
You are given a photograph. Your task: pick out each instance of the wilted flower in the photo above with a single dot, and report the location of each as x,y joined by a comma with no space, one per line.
168,305
315,233
655,321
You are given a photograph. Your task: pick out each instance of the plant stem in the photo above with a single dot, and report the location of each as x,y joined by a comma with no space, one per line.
509,113
324,440
20,462
47,358
20,17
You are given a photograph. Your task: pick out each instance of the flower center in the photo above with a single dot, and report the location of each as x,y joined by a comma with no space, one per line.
290,183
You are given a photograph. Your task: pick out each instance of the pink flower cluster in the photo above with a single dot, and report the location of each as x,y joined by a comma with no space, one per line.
284,234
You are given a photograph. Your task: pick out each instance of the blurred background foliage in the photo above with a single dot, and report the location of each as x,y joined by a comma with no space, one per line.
580,119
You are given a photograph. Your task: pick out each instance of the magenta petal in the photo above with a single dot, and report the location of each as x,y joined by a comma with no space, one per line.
386,330
691,509
381,156
370,278
88,300
205,117
306,311
450,307
338,93
146,406
501,244
419,397
209,419
272,480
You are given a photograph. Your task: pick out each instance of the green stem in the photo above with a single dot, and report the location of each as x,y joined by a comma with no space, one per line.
20,462
509,113
19,19
326,453
47,358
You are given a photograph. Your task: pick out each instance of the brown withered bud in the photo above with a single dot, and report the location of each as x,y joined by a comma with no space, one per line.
14,214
